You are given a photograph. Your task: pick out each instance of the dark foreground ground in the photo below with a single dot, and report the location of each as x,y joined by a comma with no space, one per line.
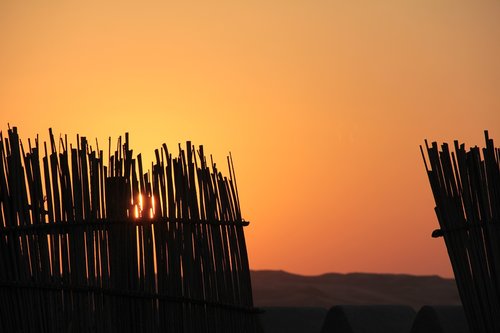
358,302
279,288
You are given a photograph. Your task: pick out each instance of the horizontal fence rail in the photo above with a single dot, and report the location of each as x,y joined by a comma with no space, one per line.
86,247
466,188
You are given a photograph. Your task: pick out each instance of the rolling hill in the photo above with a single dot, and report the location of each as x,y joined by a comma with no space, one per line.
280,288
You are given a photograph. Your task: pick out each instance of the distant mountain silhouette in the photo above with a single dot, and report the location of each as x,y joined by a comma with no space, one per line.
280,288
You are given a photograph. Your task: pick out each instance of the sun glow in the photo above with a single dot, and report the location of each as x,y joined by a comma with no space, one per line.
144,207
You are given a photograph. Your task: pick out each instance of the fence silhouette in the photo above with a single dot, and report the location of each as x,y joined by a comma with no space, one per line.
90,248
466,188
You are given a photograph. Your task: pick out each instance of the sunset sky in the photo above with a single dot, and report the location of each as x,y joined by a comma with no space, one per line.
323,105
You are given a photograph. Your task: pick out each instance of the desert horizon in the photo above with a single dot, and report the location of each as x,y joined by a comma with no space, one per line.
280,288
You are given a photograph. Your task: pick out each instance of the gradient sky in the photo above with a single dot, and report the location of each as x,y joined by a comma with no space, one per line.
323,105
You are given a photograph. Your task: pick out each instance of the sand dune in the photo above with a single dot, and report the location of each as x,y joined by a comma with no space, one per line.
279,288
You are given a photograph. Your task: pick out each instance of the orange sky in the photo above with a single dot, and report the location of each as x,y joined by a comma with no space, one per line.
323,105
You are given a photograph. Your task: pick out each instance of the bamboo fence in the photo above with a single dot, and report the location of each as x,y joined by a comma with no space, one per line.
466,188
86,247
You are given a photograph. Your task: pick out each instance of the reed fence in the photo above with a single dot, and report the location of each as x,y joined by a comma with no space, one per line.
466,188
86,247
